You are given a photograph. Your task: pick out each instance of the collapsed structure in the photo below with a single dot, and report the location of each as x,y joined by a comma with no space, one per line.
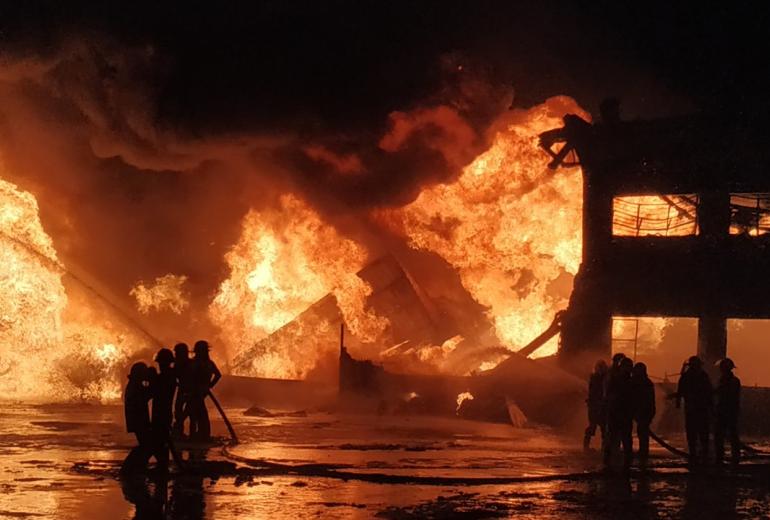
394,294
675,219
676,213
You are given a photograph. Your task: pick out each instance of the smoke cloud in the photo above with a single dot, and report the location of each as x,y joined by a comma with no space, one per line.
129,195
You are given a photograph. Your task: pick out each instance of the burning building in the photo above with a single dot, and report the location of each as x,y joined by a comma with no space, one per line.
469,271
451,282
675,223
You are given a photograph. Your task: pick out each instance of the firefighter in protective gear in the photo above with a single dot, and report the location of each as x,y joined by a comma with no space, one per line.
204,375
135,405
696,390
182,371
597,416
643,404
619,412
162,389
727,411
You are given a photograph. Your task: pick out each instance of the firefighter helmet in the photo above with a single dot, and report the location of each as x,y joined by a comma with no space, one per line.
164,355
726,364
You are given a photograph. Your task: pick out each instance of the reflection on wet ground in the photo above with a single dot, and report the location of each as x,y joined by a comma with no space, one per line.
62,461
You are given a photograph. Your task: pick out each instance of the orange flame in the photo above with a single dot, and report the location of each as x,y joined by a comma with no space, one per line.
58,344
165,293
285,260
510,226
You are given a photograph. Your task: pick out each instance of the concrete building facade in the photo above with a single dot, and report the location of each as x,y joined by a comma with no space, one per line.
703,253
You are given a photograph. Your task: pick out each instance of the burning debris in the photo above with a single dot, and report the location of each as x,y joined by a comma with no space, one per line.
439,300
254,228
461,398
517,391
483,225
313,334
284,262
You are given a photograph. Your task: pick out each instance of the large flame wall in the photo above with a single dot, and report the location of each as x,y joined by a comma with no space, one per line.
286,259
57,342
508,226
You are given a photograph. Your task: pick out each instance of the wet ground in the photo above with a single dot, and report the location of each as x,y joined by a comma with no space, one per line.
61,462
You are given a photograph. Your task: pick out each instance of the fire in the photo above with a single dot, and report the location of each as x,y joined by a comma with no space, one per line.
461,398
645,215
285,260
165,293
33,296
644,333
508,225
58,343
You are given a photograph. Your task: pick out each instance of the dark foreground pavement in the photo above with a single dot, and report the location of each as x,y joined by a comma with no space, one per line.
61,462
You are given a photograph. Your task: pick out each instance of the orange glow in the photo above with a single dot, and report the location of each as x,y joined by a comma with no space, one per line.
655,215
58,342
749,214
644,334
285,260
461,398
166,293
33,297
509,225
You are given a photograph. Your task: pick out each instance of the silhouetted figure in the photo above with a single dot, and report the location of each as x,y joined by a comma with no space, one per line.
162,388
643,403
135,403
695,388
183,372
204,375
616,359
728,409
619,412
596,407
612,371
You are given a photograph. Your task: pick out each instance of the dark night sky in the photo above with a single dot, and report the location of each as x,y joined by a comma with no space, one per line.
346,64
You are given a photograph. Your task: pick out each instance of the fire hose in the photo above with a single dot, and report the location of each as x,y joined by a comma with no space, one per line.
233,436
669,447
753,453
